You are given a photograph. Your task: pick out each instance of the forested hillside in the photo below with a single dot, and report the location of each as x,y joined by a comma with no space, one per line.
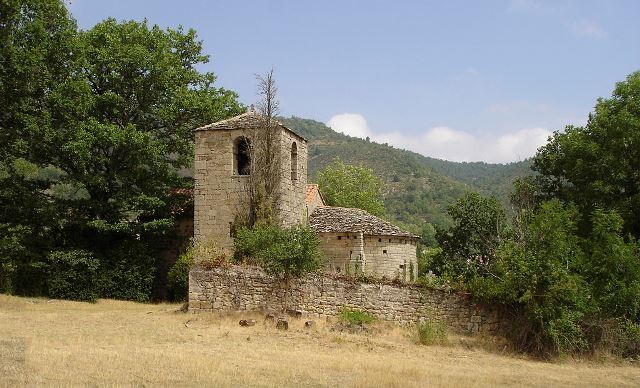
418,189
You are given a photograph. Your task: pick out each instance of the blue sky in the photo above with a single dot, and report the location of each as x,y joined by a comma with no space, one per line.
458,80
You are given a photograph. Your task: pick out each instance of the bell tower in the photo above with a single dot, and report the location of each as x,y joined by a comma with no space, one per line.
222,174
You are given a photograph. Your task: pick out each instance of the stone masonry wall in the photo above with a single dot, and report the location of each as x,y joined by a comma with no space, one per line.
388,256
291,206
339,249
393,257
218,193
250,289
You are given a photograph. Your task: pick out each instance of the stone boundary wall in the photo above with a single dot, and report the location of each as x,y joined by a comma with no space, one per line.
240,288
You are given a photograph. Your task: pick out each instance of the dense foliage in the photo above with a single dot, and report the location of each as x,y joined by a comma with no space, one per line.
470,245
94,127
280,251
597,165
178,277
568,265
348,185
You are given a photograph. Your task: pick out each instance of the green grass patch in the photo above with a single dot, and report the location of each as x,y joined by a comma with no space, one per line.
432,333
355,316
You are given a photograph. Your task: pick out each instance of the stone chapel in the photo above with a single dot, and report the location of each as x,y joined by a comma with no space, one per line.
352,240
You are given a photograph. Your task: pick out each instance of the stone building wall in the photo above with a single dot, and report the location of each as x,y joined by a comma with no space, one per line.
393,257
250,289
219,194
290,208
340,251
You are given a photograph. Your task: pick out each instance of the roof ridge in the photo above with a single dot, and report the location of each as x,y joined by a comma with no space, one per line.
344,219
236,122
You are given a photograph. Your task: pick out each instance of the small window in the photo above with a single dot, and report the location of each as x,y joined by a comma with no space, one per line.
379,240
241,156
384,251
347,237
339,237
355,237
294,161
389,240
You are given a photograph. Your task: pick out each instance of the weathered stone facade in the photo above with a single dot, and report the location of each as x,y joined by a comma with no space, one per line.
293,183
220,191
250,289
391,256
380,256
354,241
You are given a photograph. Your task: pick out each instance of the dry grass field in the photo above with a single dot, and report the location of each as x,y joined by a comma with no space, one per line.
59,343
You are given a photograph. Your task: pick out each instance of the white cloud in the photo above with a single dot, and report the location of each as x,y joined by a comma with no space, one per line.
588,28
451,144
351,124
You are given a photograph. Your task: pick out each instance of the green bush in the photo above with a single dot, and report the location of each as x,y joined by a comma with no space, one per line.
72,275
280,251
127,272
178,277
629,340
355,317
432,333
538,278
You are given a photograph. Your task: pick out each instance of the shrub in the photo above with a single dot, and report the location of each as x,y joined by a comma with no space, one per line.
208,255
432,333
283,251
72,275
178,277
629,342
356,317
128,272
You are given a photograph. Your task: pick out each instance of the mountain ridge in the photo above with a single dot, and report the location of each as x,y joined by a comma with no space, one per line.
418,188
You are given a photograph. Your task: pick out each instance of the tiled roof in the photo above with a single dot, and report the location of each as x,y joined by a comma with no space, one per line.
326,219
312,191
248,120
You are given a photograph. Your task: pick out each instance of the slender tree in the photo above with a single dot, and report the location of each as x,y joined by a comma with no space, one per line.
265,154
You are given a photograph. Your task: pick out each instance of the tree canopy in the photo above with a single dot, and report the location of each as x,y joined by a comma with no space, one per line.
95,126
471,244
351,186
568,265
598,165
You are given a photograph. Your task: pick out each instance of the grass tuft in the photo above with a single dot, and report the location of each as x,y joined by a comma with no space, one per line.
432,333
356,317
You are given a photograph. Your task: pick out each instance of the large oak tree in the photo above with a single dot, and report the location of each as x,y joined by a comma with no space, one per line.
598,165
94,128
